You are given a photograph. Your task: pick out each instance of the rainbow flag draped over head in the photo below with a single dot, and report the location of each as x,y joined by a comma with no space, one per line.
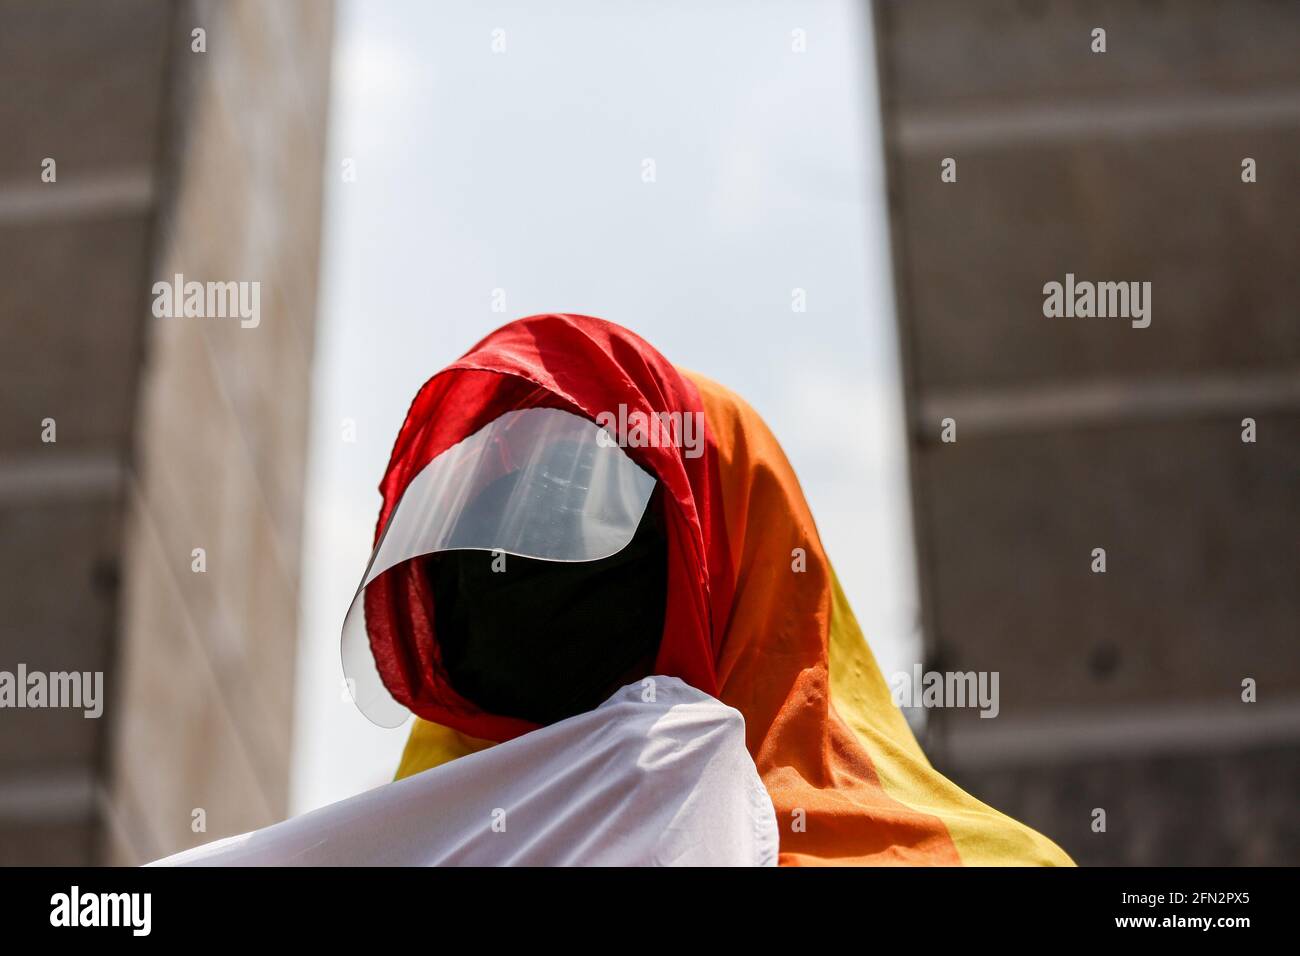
848,781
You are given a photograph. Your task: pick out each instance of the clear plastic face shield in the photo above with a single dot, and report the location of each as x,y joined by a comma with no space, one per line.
535,483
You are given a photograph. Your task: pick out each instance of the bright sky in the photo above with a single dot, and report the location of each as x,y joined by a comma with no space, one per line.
522,171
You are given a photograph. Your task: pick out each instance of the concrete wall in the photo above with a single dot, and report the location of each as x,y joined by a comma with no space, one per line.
86,90
173,433
1121,690
207,663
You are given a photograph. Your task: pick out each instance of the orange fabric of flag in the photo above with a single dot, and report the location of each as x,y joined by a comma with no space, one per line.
849,783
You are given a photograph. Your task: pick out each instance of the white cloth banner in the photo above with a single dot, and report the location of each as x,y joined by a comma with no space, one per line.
634,782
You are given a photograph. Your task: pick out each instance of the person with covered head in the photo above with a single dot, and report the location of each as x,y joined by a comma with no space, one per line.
599,589
708,589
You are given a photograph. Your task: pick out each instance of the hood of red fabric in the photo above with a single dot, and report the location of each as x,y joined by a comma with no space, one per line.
586,366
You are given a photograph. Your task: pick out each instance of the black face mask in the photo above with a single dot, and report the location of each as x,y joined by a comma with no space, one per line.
545,640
